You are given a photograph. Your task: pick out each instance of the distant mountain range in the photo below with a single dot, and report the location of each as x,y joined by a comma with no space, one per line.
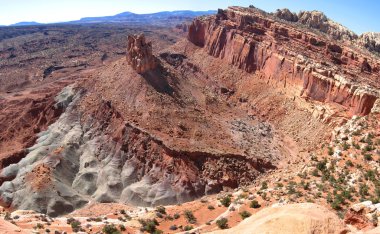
159,18
132,17
26,23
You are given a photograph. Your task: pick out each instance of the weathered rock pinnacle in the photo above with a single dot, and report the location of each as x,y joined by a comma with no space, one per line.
139,54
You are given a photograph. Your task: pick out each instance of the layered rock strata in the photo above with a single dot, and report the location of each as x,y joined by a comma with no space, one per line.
97,156
304,63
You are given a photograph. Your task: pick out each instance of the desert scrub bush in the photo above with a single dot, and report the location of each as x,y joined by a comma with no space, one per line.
322,165
188,228
245,214
330,151
368,157
243,195
222,223
159,215
302,175
122,228
189,216
305,185
279,185
75,226
110,229
149,225
345,146
211,207
370,175
97,219
291,187
263,196
363,190
315,173
176,216
349,163
226,201
264,185
161,210
254,204
356,146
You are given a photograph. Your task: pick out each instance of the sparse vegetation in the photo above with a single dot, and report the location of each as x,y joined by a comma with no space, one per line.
245,214
222,223
189,216
188,228
110,229
150,226
226,201
254,204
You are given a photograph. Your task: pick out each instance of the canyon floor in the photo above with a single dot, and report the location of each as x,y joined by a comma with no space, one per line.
238,122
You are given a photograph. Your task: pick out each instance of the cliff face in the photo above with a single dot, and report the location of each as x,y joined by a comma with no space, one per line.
305,63
370,40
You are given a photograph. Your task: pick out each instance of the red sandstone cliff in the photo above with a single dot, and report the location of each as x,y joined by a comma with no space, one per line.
304,62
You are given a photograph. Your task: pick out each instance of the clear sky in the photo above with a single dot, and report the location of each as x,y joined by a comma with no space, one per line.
358,15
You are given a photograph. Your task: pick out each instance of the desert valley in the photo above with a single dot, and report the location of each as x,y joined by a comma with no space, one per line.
228,121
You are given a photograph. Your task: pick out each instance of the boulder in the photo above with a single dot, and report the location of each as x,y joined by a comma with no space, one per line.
286,14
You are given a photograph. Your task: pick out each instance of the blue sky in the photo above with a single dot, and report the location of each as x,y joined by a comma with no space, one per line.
358,15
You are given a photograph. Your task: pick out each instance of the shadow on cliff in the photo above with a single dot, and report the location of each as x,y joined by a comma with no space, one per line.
162,81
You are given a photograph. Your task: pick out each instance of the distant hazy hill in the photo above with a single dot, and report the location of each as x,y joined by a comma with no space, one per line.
25,23
159,18
153,18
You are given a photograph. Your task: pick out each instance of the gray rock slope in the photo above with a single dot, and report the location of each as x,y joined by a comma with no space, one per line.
76,161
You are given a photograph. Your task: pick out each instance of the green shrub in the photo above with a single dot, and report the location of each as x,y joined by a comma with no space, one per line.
188,228
254,204
244,214
368,157
189,216
161,209
110,229
226,201
264,185
222,223
330,151
75,225
150,226
349,163
122,228
210,207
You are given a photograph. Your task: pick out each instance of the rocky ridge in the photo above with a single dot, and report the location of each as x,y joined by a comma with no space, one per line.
309,65
319,21
370,40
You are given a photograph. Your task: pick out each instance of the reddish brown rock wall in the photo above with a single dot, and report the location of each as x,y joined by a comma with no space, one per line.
306,63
